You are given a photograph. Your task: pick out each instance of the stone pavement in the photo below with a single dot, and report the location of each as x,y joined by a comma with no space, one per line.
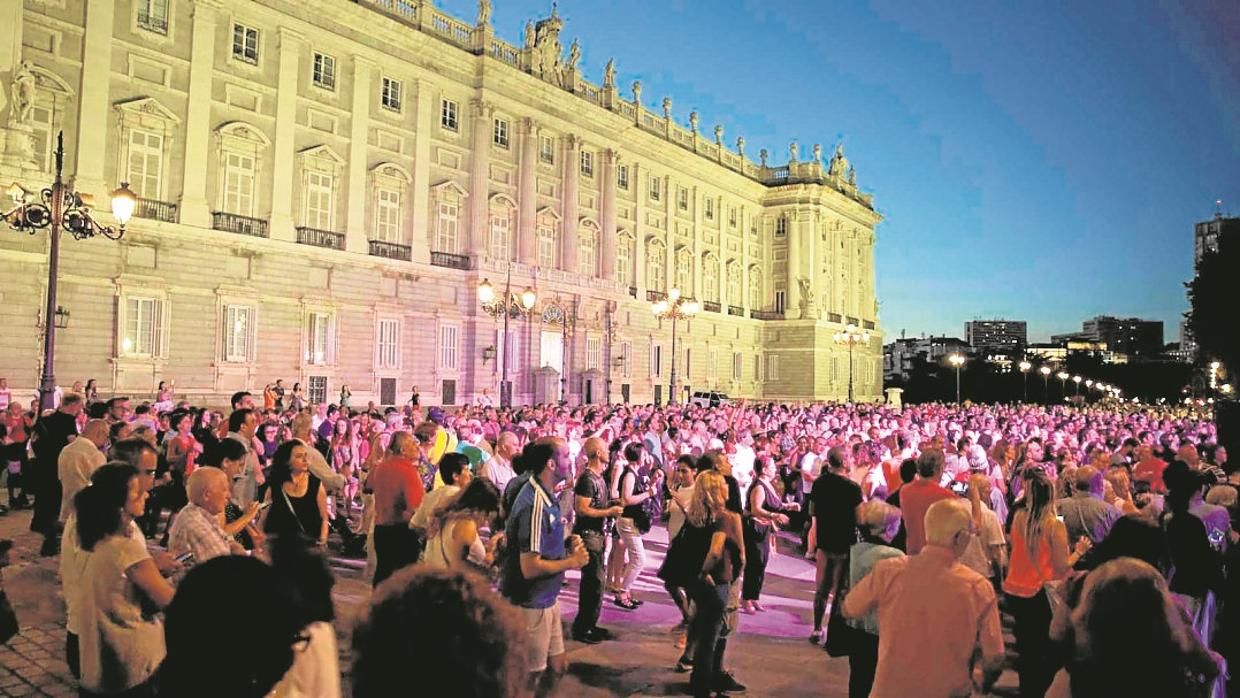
770,653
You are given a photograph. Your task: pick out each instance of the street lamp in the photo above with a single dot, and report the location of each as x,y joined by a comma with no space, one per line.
1077,380
1046,374
1024,370
956,360
852,337
505,306
1063,384
60,209
676,307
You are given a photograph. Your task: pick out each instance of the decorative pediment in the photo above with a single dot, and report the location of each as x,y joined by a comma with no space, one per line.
503,200
391,169
449,187
146,108
549,213
588,222
322,152
241,131
47,80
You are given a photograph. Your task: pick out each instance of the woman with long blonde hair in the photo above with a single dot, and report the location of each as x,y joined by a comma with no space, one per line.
1039,555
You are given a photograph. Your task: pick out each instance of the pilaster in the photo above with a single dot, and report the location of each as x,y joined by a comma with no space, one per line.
669,224
473,239
568,225
607,211
356,230
746,221
527,192
796,238
286,127
699,248
423,124
91,145
637,179
194,209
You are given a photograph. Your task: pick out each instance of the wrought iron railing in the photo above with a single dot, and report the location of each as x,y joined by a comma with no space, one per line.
834,317
710,306
654,296
736,310
391,250
320,238
452,261
150,22
156,210
241,225
766,315
868,324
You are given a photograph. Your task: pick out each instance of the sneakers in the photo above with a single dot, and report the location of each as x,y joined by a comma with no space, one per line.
815,637
594,635
684,665
726,684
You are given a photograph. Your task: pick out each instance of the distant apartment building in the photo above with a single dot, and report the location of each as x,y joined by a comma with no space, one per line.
989,337
1132,336
1206,234
900,356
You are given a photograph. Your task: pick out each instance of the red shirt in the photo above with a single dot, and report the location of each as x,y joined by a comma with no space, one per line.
1150,470
398,490
916,498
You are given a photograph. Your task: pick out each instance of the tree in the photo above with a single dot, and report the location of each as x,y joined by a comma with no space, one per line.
1212,298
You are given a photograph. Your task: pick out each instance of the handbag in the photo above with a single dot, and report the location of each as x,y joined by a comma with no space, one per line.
842,638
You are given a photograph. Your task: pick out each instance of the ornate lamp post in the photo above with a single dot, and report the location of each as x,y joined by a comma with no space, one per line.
956,360
505,306
1046,374
676,307
1024,370
851,337
60,209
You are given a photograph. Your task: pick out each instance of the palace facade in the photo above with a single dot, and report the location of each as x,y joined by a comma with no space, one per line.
323,185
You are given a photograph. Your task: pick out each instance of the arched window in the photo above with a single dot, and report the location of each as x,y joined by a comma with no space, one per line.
757,298
710,278
656,269
734,284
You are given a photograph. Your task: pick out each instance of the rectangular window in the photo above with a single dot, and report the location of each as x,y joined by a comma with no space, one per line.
594,354
709,207
622,177
317,392
781,301
781,227
738,365
712,361
501,235
688,362
587,163
390,96
732,216
320,338
144,327
772,368
448,339
319,187
656,360
445,233
447,394
682,198
42,120
388,343
626,359
239,333
448,114
655,191
547,252
324,74
146,162
153,15
239,184
387,215
500,135
245,43
624,262
546,149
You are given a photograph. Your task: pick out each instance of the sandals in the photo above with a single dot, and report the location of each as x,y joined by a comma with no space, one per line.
629,605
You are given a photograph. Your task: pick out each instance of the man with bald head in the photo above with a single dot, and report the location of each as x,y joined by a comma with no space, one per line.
78,461
196,529
499,468
594,521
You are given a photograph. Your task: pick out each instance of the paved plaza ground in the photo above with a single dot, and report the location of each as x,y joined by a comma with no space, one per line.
770,654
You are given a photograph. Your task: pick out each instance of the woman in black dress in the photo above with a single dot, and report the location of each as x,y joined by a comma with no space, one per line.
296,503
766,513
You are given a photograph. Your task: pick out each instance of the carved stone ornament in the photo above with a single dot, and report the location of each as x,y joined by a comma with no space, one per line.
21,94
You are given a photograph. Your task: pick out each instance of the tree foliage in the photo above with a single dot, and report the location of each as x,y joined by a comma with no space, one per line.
1213,297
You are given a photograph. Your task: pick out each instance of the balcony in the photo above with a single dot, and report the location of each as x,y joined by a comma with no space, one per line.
320,238
155,210
766,315
451,261
152,23
633,291
710,306
736,310
391,250
834,317
868,324
655,296
241,225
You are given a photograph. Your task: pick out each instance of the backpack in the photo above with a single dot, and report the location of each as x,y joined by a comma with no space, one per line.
685,554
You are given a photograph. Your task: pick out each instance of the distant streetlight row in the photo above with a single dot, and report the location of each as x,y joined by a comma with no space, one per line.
957,360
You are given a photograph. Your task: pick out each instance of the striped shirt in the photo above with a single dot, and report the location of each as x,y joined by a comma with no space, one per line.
534,526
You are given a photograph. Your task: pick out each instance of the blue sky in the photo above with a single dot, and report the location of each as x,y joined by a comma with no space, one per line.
1040,161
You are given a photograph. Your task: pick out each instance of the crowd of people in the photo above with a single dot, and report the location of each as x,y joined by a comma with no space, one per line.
1108,534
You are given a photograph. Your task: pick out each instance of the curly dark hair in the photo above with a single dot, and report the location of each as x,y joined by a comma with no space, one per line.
472,640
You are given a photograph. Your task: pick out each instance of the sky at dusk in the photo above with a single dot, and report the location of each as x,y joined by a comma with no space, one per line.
1038,161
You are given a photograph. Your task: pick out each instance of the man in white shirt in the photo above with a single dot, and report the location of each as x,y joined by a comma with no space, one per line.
196,529
499,468
78,461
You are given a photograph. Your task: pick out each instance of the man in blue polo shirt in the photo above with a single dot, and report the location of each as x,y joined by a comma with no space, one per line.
535,565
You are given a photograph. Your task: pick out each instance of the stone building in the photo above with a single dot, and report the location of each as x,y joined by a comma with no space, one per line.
324,183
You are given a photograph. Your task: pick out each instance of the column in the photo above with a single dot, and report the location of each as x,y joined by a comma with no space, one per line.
421,189
356,231
669,223
195,210
637,179
746,220
607,211
93,96
527,192
568,223
698,247
473,238
796,238
283,174
723,265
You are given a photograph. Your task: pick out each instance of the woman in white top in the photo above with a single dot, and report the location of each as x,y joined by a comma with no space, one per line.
121,589
453,538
